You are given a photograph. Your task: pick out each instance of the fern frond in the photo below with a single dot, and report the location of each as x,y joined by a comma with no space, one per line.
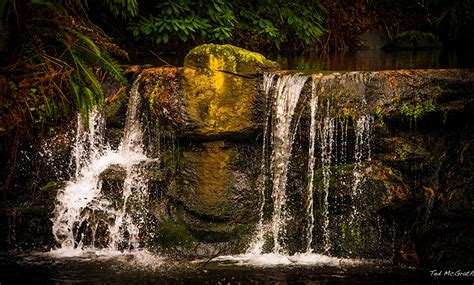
104,61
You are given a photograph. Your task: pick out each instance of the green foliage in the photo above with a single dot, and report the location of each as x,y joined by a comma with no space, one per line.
449,19
123,8
231,21
62,59
454,19
184,19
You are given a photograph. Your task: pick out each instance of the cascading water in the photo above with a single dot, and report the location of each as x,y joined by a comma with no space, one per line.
329,141
82,209
326,137
362,126
288,89
325,124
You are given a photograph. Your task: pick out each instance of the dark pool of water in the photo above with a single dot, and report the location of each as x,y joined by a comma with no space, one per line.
363,60
39,269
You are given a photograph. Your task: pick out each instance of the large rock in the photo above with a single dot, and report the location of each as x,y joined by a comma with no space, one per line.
216,95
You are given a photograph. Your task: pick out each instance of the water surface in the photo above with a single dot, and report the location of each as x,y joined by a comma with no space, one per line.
147,268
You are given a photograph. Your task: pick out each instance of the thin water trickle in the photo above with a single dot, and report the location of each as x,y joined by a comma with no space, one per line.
82,205
326,138
363,130
256,246
312,159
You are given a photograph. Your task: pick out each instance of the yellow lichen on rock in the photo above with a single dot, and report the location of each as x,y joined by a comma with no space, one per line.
228,58
217,102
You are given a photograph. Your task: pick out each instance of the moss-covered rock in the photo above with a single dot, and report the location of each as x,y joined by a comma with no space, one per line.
405,153
219,104
228,58
414,95
172,236
414,40
212,97
381,185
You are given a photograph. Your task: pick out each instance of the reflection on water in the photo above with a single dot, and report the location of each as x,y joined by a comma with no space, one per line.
349,61
380,60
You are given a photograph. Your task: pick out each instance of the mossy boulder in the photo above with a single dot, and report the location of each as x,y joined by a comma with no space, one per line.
172,237
214,96
228,58
221,105
414,40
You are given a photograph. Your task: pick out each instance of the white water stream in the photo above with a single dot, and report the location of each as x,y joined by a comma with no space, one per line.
82,209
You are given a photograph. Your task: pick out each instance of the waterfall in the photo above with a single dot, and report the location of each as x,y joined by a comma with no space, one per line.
288,89
82,209
328,147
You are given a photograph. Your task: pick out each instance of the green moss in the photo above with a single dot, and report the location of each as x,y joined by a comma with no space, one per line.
151,97
379,115
52,186
115,106
172,234
417,107
46,195
220,232
228,58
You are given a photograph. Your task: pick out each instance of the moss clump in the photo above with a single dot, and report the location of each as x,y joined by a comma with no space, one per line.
217,232
46,196
171,235
228,58
417,107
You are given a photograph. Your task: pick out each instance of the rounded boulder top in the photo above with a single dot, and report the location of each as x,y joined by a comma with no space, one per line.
228,58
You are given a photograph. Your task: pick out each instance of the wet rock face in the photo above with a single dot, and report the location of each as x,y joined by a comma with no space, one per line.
205,123
208,175
425,134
